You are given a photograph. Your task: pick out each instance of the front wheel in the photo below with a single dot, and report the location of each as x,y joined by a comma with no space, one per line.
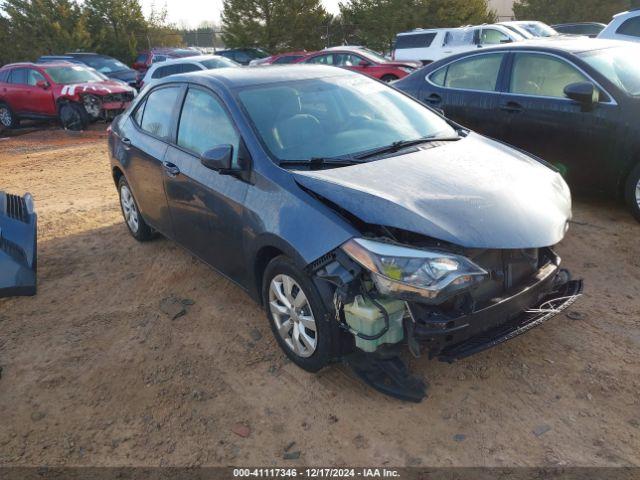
389,78
632,192
299,320
73,117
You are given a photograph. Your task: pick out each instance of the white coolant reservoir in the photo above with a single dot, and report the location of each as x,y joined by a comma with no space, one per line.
365,317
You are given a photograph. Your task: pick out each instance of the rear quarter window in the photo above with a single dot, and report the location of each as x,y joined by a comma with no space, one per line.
3,76
419,40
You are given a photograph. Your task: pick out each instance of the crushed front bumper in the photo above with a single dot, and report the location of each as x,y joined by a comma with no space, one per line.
18,245
518,311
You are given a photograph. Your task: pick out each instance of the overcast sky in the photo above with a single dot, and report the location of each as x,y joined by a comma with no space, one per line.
194,12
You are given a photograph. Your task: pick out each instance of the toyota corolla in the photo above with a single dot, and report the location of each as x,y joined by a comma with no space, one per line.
363,221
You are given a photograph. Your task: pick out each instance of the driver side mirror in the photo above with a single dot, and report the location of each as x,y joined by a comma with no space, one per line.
584,93
363,63
219,158
43,84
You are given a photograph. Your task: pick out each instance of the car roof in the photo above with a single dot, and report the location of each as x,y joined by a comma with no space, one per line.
572,24
38,65
232,78
569,45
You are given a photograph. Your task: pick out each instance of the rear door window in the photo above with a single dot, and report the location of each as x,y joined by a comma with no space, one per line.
204,124
18,76
542,75
322,59
479,72
158,112
630,27
418,40
189,67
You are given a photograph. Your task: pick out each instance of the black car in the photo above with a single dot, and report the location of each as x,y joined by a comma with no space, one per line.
243,56
359,218
108,66
574,103
589,29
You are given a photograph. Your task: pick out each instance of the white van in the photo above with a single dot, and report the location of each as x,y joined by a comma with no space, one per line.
430,45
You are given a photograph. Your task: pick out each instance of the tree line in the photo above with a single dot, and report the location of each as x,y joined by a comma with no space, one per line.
30,28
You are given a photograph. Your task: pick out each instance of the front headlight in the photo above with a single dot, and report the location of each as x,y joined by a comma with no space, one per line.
407,69
409,273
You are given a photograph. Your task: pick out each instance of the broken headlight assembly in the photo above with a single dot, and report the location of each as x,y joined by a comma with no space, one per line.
414,274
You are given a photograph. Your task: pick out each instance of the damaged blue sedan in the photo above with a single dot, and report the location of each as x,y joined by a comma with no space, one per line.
363,221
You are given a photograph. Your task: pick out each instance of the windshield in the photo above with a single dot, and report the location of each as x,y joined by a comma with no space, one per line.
621,66
520,31
539,29
72,74
217,63
105,64
336,117
373,55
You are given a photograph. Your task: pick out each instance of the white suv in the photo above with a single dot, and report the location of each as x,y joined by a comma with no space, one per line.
624,26
430,45
185,65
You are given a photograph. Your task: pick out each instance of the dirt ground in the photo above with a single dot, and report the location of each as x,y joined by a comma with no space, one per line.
95,373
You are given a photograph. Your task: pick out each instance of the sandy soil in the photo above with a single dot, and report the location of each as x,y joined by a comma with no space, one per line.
94,373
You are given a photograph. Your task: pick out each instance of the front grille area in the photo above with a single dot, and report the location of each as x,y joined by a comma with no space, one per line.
118,97
13,250
17,208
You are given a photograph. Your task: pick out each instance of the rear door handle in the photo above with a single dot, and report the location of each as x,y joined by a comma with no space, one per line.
434,98
512,107
171,169
126,141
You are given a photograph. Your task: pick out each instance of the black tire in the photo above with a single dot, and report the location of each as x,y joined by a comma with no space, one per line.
138,230
73,116
632,192
389,78
326,331
8,119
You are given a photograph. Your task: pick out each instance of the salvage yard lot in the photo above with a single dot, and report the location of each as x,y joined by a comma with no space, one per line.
97,371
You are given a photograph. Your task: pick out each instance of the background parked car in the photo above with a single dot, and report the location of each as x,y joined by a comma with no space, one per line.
279,58
535,28
243,56
574,103
104,64
588,29
147,58
75,94
185,65
624,26
431,45
364,61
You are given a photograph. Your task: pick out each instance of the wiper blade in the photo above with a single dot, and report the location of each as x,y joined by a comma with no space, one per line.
400,144
319,162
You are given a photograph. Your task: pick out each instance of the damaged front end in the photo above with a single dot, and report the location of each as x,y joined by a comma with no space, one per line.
18,245
438,299
106,107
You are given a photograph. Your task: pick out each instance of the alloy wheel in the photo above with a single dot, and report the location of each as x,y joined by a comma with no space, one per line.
129,209
292,315
5,117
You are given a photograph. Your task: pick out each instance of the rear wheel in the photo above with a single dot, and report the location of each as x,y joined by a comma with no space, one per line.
632,192
388,78
73,116
138,228
299,320
8,119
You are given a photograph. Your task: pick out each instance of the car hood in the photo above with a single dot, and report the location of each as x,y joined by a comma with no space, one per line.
404,64
96,88
475,193
129,75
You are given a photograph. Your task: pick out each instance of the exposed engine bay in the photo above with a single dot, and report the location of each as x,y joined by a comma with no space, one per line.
438,299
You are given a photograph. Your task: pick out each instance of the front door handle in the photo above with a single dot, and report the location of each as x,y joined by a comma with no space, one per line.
171,169
512,107
126,141
434,99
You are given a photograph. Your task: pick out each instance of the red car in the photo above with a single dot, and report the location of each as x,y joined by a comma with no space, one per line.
279,58
75,94
145,59
364,61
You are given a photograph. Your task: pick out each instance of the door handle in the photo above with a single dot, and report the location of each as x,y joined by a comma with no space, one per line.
434,99
171,169
126,144
126,141
512,107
